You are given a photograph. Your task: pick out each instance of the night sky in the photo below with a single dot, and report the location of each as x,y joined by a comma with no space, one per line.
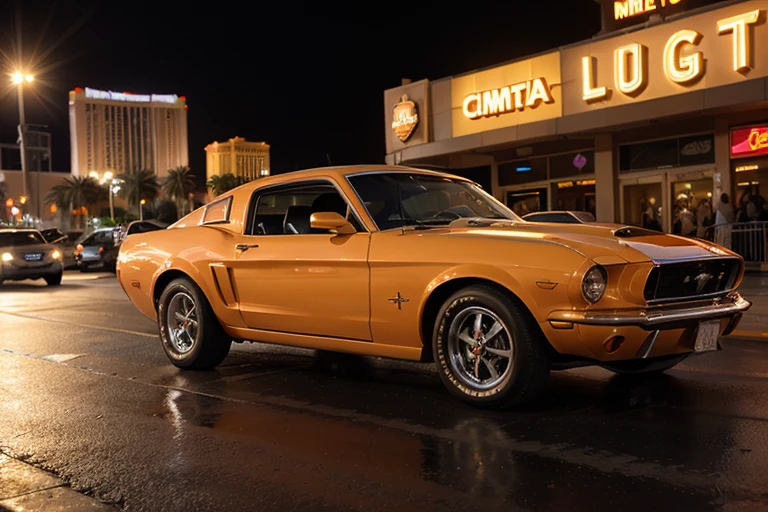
307,78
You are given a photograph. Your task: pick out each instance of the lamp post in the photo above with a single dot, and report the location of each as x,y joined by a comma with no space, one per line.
113,185
19,79
141,209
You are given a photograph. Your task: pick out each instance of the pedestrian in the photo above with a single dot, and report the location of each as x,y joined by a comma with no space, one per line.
724,221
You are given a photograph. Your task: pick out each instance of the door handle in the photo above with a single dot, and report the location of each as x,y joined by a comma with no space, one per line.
245,247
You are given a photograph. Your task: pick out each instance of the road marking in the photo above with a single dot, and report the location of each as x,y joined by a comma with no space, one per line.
86,326
60,358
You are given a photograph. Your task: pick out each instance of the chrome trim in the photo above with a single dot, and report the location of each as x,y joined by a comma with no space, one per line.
647,345
651,318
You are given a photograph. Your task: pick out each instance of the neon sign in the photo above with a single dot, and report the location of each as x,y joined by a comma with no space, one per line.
628,8
126,96
752,141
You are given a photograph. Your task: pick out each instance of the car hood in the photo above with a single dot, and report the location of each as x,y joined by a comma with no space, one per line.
603,243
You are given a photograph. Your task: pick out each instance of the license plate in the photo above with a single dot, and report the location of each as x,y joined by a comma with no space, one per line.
706,337
33,256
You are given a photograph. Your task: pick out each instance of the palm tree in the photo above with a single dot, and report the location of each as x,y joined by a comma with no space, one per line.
224,183
74,195
179,183
140,185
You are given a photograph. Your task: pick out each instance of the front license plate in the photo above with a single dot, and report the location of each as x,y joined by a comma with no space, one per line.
706,337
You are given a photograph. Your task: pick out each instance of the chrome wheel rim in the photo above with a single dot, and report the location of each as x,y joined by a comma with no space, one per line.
480,349
182,322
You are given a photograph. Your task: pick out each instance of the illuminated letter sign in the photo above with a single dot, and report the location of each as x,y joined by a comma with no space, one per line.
628,8
629,65
752,141
528,94
125,96
590,92
683,69
741,47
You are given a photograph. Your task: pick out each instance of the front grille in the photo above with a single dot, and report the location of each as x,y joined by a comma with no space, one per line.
691,279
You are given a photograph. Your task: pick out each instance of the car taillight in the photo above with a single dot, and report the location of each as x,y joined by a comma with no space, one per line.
101,250
78,249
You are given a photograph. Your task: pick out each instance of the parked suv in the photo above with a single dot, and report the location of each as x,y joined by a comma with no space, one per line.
24,254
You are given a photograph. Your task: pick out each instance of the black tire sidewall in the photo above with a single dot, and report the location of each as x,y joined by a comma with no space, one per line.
188,359
54,280
453,306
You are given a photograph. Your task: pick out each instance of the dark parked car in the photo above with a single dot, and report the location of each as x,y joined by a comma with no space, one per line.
90,250
65,242
561,217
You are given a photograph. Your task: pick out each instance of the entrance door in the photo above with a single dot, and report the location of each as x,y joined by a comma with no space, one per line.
293,278
642,203
692,212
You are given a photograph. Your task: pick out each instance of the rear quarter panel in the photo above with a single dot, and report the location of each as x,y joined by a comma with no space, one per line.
146,260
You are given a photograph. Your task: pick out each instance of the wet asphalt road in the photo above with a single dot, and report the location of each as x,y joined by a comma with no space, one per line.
86,392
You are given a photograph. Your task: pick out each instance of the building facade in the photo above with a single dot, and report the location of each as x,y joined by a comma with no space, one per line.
237,156
126,132
647,123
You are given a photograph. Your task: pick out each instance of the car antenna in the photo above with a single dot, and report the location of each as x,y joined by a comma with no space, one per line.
400,205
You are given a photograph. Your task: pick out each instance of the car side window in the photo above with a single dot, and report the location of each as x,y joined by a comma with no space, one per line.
287,210
560,218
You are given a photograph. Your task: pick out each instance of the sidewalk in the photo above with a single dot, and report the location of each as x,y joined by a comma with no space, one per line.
754,324
24,487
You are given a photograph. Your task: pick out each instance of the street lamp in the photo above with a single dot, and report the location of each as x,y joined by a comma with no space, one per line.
141,209
19,79
113,184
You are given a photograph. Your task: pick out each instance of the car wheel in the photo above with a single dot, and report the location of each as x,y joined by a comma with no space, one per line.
191,335
54,280
644,366
84,267
489,350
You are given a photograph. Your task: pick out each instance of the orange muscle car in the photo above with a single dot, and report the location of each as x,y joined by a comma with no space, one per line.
413,264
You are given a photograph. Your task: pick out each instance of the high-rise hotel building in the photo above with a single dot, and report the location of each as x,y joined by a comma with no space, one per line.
125,132
244,159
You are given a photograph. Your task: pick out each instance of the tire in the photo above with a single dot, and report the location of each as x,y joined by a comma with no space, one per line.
200,348
644,366
519,379
54,280
84,267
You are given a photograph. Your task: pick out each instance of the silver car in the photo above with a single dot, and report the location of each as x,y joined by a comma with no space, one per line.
24,254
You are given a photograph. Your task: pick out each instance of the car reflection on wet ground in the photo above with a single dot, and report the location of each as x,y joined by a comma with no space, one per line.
87,393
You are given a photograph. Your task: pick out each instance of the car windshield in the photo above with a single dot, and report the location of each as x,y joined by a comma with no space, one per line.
401,199
19,238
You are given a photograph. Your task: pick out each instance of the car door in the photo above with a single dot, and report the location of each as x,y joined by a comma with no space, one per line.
292,278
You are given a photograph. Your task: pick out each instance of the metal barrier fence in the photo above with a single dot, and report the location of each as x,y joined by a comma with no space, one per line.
748,239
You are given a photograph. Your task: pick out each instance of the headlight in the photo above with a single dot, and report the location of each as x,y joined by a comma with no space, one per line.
7,256
56,254
594,283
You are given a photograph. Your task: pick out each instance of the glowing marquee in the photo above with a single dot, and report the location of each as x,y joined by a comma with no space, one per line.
751,141
628,8
519,96
124,96
630,62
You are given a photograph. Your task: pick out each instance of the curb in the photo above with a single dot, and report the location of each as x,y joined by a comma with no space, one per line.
24,487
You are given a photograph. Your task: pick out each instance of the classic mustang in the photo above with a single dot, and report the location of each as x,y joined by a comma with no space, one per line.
420,265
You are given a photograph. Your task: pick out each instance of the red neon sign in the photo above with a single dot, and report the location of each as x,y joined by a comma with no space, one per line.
752,141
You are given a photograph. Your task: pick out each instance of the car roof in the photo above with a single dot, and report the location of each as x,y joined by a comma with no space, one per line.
20,230
338,172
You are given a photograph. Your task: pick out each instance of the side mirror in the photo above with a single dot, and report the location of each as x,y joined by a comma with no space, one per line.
331,221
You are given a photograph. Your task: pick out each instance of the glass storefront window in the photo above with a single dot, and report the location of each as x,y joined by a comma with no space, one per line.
668,153
692,213
751,189
572,164
526,201
574,195
523,171
642,205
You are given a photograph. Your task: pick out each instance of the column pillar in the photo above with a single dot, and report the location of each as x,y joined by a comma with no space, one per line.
605,178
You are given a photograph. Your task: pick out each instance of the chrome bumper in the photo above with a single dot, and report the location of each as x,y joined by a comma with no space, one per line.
660,317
